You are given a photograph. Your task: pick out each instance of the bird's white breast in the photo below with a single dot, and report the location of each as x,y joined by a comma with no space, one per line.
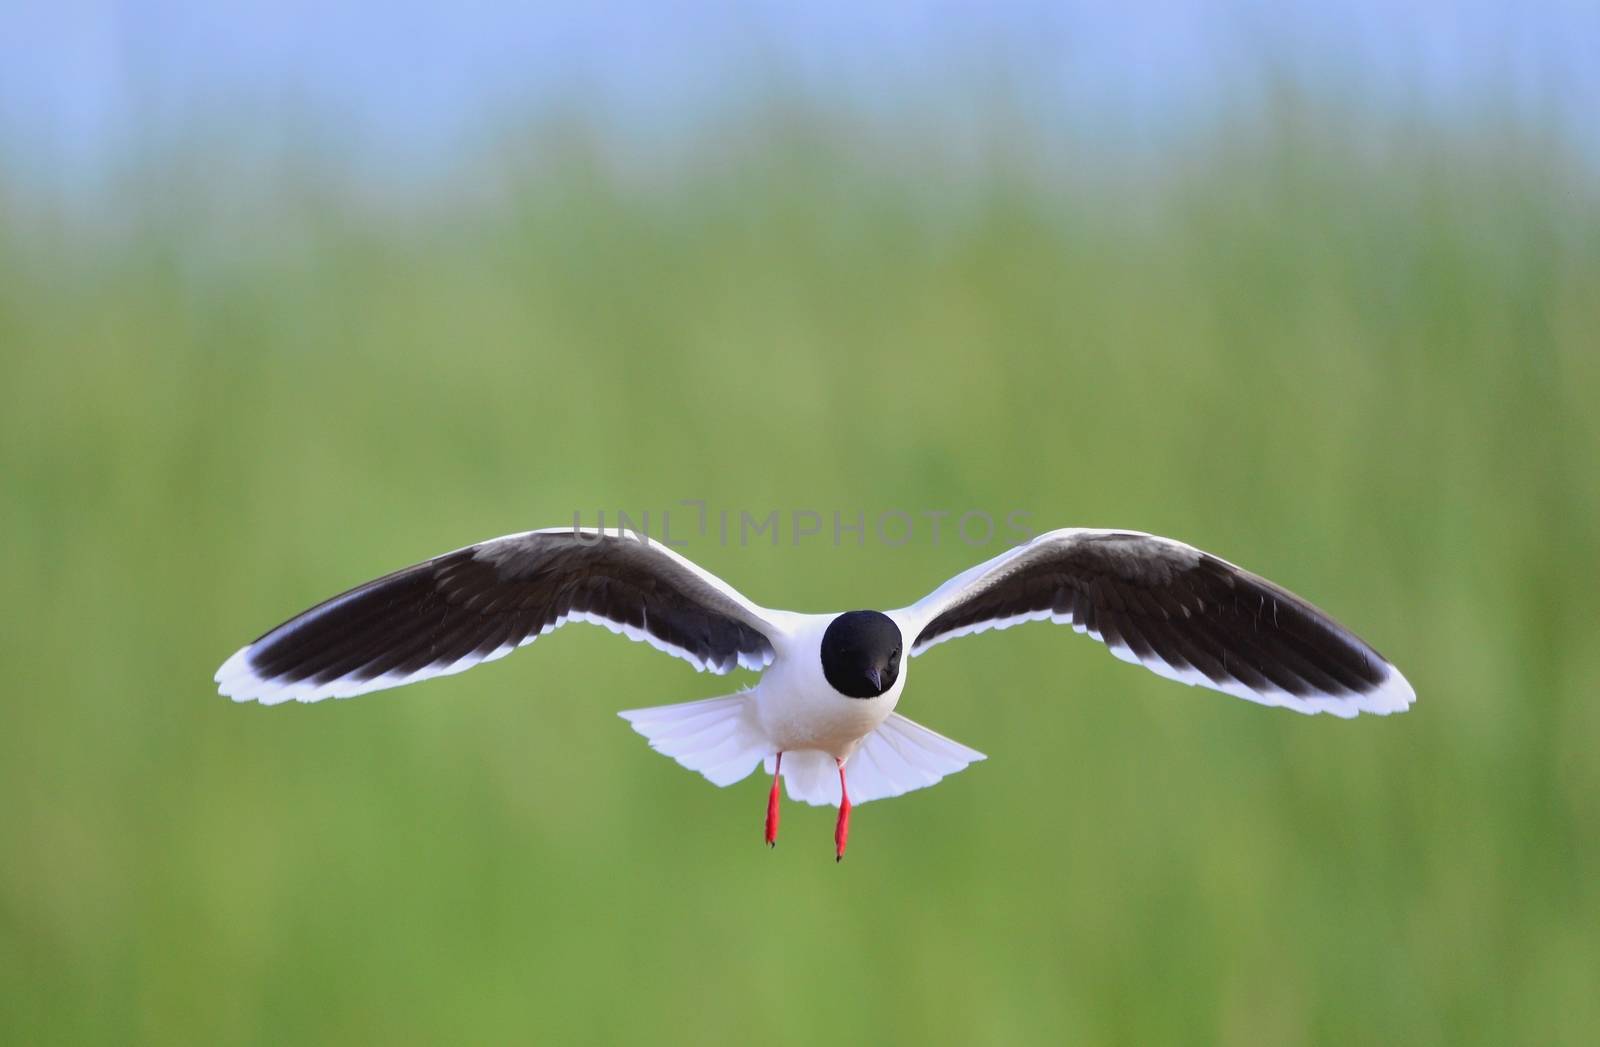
798,709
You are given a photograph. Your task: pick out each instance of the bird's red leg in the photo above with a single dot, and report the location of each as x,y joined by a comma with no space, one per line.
841,831
772,805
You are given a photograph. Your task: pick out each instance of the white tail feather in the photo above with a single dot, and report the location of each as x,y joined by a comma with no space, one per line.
899,756
717,737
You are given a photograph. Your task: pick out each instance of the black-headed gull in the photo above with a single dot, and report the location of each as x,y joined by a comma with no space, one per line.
829,682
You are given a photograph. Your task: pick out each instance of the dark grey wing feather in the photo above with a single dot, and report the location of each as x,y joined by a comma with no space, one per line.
1181,612
483,602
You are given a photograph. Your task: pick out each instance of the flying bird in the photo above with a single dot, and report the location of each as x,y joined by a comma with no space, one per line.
822,718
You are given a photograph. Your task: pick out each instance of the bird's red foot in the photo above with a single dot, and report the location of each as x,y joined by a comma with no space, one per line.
841,831
772,805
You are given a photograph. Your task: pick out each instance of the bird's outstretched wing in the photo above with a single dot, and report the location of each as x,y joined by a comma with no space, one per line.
483,602
1174,609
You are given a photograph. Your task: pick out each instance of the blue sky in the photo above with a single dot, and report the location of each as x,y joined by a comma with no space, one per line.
83,80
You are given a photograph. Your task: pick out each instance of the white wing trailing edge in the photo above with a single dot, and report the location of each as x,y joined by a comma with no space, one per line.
1178,611
482,602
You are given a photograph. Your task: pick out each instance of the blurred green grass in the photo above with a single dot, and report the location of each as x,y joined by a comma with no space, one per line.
1358,355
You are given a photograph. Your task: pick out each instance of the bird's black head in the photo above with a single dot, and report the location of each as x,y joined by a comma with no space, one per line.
861,653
